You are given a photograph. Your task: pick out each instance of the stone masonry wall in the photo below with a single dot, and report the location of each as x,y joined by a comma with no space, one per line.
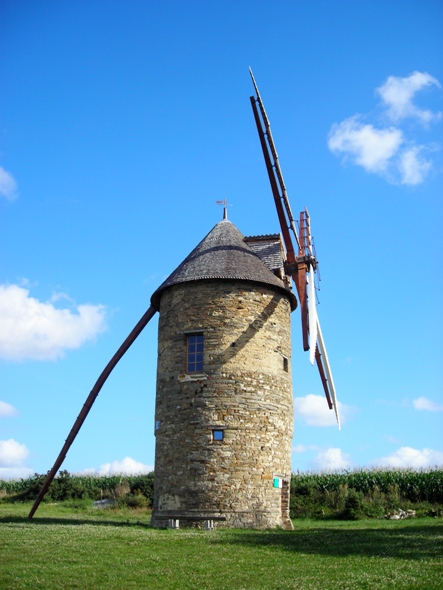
245,390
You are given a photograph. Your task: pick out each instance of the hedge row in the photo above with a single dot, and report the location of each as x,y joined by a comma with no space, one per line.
77,487
365,493
346,494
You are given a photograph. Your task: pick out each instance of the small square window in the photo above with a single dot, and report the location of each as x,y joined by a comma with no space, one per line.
194,353
218,435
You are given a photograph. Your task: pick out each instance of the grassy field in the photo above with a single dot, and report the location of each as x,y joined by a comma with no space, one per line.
76,547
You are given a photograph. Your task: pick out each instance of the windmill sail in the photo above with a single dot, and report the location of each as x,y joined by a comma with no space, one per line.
301,267
313,321
327,368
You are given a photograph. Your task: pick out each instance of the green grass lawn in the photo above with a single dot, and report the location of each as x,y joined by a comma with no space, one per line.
67,547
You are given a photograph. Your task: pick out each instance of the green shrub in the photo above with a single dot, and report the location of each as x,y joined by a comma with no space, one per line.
144,484
132,501
380,491
65,487
354,509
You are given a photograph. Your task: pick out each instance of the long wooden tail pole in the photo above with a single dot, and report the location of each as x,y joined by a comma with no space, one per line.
89,401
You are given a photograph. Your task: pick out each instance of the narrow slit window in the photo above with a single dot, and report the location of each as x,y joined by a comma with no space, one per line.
194,349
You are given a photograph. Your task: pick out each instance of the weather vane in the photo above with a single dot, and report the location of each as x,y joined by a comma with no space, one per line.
225,204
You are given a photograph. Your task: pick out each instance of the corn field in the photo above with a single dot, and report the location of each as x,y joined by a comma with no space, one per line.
415,486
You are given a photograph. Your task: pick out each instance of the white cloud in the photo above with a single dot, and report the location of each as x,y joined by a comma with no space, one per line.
388,151
304,448
424,403
127,466
299,449
398,95
7,410
332,460
12,453
393,404
407,457
367,146
412,167
391,439
12,456
37,330
8,186
15,473
314,410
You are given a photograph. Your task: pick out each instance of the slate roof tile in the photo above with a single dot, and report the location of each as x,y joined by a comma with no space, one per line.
224,254
270,250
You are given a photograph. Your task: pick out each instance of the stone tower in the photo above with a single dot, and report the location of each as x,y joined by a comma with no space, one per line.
224,416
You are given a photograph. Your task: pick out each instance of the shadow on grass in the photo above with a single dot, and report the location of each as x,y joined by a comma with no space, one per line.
73,521
414,542
411,543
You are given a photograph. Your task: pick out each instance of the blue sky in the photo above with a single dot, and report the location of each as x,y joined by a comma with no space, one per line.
121,125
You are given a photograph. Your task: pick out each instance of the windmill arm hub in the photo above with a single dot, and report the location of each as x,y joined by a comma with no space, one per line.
291,268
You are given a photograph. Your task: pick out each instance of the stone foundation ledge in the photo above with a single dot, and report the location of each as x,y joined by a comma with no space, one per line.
245,520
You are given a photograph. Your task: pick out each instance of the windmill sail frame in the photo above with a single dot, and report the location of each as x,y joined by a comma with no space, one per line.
299,266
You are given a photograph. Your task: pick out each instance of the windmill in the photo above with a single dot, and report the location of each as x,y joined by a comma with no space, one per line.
225,268
300,265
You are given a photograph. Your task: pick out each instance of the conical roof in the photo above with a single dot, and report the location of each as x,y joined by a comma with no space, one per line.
222,254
